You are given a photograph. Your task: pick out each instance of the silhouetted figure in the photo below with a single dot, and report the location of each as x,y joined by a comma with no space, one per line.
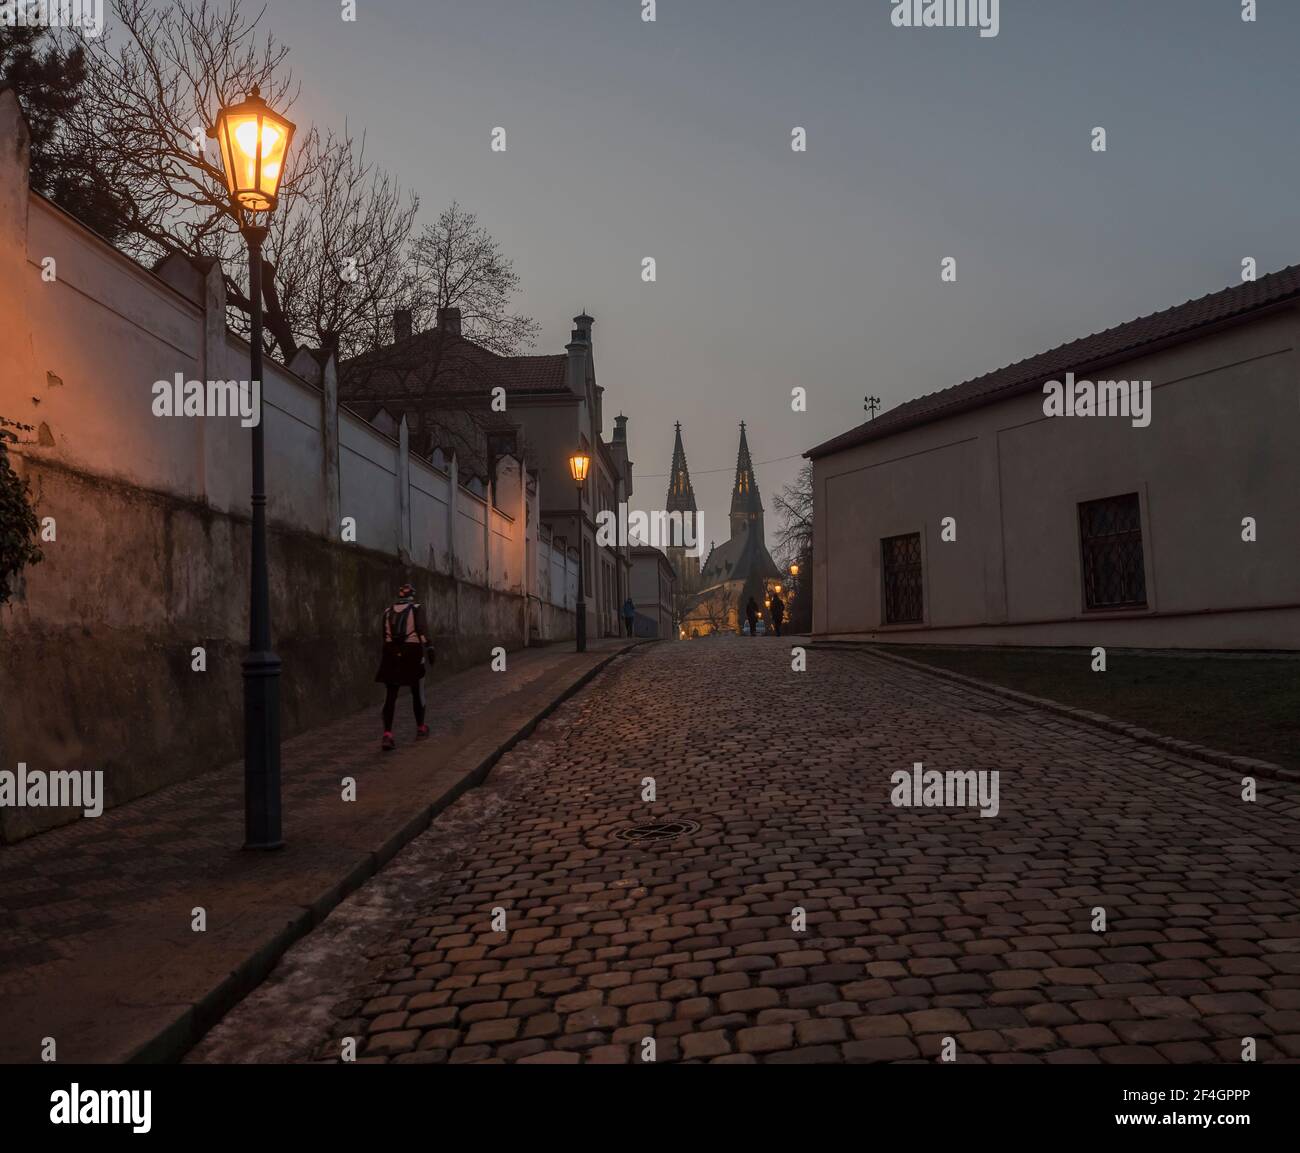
751,614
778,613
406,644
629,614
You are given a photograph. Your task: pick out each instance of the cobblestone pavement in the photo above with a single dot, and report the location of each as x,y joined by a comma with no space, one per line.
922,923
63,890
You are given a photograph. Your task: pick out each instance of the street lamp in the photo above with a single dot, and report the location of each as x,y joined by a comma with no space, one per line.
254,145
579,463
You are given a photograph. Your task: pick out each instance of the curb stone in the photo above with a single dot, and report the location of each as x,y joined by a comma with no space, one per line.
194,1020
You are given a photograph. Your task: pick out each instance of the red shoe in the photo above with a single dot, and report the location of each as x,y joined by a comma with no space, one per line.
422,733
388,744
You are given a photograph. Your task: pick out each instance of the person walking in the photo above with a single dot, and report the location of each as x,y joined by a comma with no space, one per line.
778,613
751,614
406,645
629,614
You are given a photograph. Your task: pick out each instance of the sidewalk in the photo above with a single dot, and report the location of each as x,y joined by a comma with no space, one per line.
96,945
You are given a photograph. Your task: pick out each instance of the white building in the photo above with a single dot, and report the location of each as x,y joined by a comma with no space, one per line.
975,515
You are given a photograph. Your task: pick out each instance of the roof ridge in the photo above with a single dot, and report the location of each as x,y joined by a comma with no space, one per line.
1096,349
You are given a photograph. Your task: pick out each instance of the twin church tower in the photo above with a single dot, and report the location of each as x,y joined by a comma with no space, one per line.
733,571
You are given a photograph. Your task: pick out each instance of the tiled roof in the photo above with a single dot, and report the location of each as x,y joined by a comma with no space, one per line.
1122,342
442,362
737,559
536,373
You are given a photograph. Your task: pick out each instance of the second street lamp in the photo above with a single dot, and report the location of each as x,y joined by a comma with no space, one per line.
254,146
579,463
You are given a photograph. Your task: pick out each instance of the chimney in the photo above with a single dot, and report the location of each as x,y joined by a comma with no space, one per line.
582,328
401,324
620,429
449,320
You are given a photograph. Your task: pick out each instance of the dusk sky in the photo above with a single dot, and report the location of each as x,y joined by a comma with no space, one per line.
672,140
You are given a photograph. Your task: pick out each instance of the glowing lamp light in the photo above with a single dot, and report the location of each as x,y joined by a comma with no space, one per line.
579,463
254,143
794,570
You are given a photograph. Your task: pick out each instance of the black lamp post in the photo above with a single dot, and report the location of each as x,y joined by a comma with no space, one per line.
254,145
579,463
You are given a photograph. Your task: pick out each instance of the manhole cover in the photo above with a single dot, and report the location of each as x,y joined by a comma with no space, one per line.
655,832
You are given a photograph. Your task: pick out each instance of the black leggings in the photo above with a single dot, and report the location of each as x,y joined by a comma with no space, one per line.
390,703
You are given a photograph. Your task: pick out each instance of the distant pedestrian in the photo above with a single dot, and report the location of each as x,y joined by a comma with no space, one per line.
751,614
778,612
629,614
406,645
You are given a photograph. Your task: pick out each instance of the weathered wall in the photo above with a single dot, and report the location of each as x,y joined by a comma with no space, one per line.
97,661
150,557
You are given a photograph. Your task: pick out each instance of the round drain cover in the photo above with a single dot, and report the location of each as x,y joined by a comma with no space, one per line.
655,832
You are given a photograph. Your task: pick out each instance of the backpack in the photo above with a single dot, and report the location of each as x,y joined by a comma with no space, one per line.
395,625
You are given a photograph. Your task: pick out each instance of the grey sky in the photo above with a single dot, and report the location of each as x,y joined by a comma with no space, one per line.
672,140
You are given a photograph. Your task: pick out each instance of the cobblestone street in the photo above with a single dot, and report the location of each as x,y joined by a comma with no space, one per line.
922,923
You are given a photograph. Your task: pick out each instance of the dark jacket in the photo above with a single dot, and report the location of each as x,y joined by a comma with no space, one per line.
405,635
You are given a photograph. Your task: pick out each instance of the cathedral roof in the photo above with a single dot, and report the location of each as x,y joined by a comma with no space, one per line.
739,559
681,495
745,500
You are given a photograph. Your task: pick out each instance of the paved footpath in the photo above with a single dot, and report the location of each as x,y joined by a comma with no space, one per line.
97,945
922,923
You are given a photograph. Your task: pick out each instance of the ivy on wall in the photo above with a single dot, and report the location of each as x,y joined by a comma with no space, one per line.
18,523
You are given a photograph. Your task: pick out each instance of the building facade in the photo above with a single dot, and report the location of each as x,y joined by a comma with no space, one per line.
653,588
996,513
456,395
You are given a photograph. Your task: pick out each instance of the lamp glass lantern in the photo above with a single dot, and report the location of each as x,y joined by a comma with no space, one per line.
254,143
579,463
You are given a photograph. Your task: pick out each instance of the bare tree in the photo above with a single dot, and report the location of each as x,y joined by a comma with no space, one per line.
150,97
342,246
716,607
794,538
794,510
341,257
459,265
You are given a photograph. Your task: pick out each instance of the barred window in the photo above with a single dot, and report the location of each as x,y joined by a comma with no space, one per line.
1110,533
901,556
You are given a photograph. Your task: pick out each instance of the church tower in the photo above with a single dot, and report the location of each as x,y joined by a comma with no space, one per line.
746,507
681,499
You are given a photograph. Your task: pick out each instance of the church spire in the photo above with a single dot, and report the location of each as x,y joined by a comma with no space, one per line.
746,505
681,495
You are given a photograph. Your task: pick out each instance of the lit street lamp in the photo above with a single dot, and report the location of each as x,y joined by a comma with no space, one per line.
254,146
579,463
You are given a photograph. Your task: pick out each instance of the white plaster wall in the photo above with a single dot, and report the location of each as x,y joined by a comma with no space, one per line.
1223,444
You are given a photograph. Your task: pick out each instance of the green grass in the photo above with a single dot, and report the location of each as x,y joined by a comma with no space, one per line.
1248,706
